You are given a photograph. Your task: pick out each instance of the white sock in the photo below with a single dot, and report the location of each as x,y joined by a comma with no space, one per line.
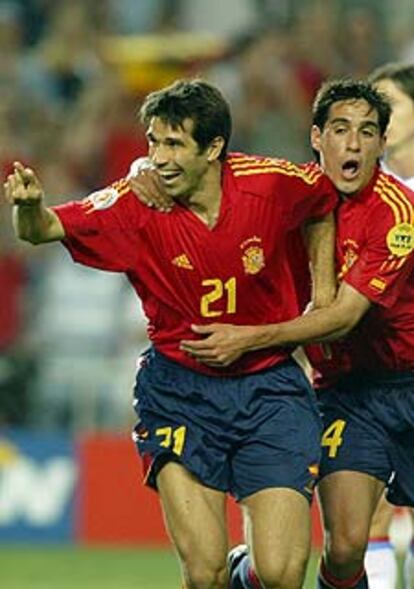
408,570
381,564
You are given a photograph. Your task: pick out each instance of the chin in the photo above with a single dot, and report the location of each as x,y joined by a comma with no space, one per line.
348,189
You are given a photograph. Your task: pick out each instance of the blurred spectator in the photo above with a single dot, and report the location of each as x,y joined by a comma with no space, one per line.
103,135
229,18
271,114
129,17
16,364
81,336
363,40
67,57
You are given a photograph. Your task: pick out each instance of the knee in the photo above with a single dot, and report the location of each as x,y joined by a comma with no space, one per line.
346,547
199,575
274,574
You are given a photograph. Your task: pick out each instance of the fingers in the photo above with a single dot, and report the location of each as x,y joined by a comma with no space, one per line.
148,187
7,191
22,187
193,346
202,329
26,175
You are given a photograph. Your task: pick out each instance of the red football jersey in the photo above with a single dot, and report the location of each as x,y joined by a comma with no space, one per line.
375,245
184,272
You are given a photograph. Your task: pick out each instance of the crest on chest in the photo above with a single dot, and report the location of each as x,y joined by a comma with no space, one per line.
350,254
253,257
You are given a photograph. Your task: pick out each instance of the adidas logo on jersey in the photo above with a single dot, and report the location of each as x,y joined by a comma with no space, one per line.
182,261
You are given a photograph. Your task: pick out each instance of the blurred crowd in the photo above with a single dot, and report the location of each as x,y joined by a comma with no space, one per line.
69,336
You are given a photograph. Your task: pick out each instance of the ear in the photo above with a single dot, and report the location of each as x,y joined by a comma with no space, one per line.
214,149
383,144
316,138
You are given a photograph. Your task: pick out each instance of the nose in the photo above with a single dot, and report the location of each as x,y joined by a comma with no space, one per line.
354,143
159,155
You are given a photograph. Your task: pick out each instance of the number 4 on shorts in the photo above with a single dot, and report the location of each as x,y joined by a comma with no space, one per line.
332,437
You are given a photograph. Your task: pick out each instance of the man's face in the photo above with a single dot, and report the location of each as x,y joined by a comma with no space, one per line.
349,144
177,157
401,127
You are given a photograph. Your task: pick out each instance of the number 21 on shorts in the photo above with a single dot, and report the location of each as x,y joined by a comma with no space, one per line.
332,437
172,438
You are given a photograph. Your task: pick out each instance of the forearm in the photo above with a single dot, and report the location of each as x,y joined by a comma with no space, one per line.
317,326
36,224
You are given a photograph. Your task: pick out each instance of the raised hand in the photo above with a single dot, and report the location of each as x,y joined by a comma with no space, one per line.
23,187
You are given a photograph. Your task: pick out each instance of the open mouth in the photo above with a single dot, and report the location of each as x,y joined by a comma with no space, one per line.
169,176
350,169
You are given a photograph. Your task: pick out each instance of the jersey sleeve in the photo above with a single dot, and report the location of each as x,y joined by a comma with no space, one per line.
309,194
102,230
385,261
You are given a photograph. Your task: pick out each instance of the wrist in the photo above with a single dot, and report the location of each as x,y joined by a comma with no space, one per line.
262,336
29,204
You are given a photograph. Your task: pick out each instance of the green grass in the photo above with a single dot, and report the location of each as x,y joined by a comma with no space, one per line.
87,568
96,568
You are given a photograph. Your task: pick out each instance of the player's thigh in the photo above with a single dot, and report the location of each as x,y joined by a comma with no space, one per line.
381,520
277,522
195,516
354,437
348,500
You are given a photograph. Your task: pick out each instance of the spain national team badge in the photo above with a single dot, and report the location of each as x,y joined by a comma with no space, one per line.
102,199
350,249
253,255
400,239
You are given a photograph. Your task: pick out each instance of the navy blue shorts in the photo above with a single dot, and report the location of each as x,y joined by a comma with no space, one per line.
235,434
369,428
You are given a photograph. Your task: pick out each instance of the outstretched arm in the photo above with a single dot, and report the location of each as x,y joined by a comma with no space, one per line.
224,343
32,220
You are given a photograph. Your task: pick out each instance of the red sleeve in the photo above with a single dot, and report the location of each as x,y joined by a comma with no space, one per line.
102,231
309,194
385,261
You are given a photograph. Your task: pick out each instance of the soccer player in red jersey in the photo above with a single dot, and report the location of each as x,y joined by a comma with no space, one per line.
367,378
252,429
396,81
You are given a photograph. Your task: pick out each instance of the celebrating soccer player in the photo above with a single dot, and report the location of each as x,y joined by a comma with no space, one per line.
366,378
252,429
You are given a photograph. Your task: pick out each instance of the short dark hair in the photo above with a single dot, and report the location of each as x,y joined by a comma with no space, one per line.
194,99
402,74
347,89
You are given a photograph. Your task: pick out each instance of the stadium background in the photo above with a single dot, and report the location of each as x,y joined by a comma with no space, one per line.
72,74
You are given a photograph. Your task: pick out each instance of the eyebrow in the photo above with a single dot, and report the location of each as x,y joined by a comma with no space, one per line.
150,135
342,120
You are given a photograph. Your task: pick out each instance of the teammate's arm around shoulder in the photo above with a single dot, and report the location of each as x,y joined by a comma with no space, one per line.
32,220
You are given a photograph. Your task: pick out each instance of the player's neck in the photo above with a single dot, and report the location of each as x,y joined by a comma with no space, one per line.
400,159
206,200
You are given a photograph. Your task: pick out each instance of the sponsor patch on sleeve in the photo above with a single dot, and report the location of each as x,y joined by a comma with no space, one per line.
101,199
378,284
400,239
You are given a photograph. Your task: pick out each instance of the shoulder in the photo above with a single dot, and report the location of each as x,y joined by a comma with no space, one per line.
105,198
391,217
115,205
258,174
394,201
117,198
